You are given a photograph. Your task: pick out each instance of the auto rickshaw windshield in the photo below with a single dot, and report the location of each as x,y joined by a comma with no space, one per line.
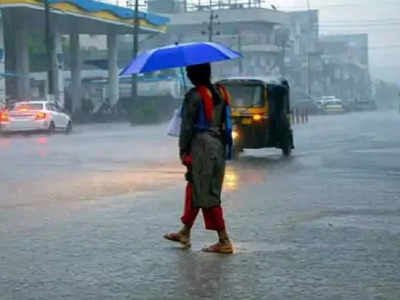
246,95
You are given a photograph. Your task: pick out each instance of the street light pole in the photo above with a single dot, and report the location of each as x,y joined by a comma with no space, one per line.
49,47
135,47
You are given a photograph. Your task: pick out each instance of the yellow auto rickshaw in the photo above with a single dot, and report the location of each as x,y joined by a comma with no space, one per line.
260,113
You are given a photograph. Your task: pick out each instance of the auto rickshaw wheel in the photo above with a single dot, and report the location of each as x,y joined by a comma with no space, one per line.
236,152
287,150
287,144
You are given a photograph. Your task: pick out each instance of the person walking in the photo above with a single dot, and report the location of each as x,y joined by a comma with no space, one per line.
205,141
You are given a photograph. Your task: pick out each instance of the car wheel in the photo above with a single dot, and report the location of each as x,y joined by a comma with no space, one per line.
52,128
68,129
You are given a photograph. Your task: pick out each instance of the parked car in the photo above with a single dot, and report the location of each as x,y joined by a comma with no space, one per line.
34,115
365,105
334,106
322,101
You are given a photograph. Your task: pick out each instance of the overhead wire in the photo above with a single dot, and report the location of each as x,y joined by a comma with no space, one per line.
380,3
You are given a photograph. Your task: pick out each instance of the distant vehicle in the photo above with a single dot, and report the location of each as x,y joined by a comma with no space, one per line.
166,83
34,115
365,105
334,106
321,101
158,85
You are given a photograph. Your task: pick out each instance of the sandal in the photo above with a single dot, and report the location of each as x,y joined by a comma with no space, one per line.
219,248
176,237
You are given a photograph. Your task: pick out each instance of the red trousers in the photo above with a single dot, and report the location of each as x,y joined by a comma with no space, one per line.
213,216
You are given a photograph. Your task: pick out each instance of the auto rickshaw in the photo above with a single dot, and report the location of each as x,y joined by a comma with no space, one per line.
260,113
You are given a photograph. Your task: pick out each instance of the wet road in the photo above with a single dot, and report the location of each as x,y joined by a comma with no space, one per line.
81,216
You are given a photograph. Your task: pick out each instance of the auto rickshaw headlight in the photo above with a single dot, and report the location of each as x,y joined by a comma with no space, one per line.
257,117
235,135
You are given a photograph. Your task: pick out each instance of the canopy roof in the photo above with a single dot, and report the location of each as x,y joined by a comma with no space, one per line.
90,10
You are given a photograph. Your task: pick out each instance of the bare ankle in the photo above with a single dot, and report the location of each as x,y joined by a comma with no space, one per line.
185,231
224,241
223,236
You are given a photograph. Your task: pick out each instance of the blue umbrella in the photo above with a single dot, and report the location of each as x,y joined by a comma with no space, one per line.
179,55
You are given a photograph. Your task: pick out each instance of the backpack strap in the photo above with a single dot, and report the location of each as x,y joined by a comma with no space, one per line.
228,121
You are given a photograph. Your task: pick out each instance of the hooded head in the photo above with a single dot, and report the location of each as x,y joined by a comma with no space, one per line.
199,74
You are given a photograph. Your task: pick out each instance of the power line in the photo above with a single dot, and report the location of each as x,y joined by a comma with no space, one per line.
358,25
378,21
381,3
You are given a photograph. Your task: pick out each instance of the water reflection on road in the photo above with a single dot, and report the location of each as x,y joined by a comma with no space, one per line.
253,167
89,185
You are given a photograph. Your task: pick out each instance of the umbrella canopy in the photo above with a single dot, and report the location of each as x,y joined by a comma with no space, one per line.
179,55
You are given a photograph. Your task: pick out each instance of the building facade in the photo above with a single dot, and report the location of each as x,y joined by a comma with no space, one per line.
249,29
302,61
345,62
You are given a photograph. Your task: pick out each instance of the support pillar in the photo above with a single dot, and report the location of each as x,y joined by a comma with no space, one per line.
2,64
22,61
57,66
113,82
75,73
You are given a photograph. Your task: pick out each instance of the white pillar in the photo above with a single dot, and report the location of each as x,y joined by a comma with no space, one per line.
22,57
113,81
58,67
75,73
2,64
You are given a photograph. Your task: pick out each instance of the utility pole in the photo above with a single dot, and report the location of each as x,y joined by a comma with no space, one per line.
135,47
210,24
49,47
210,27
308,51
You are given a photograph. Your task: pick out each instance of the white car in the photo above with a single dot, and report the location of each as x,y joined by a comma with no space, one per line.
322,101
334,106
35,115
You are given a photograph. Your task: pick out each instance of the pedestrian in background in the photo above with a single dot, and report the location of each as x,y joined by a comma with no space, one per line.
204,138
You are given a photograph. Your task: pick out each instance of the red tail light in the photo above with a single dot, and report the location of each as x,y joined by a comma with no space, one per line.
3,117
40,116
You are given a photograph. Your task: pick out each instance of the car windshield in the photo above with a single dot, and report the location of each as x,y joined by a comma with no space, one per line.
27,106
246,95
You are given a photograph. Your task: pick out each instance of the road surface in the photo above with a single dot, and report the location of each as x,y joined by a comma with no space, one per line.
82,216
